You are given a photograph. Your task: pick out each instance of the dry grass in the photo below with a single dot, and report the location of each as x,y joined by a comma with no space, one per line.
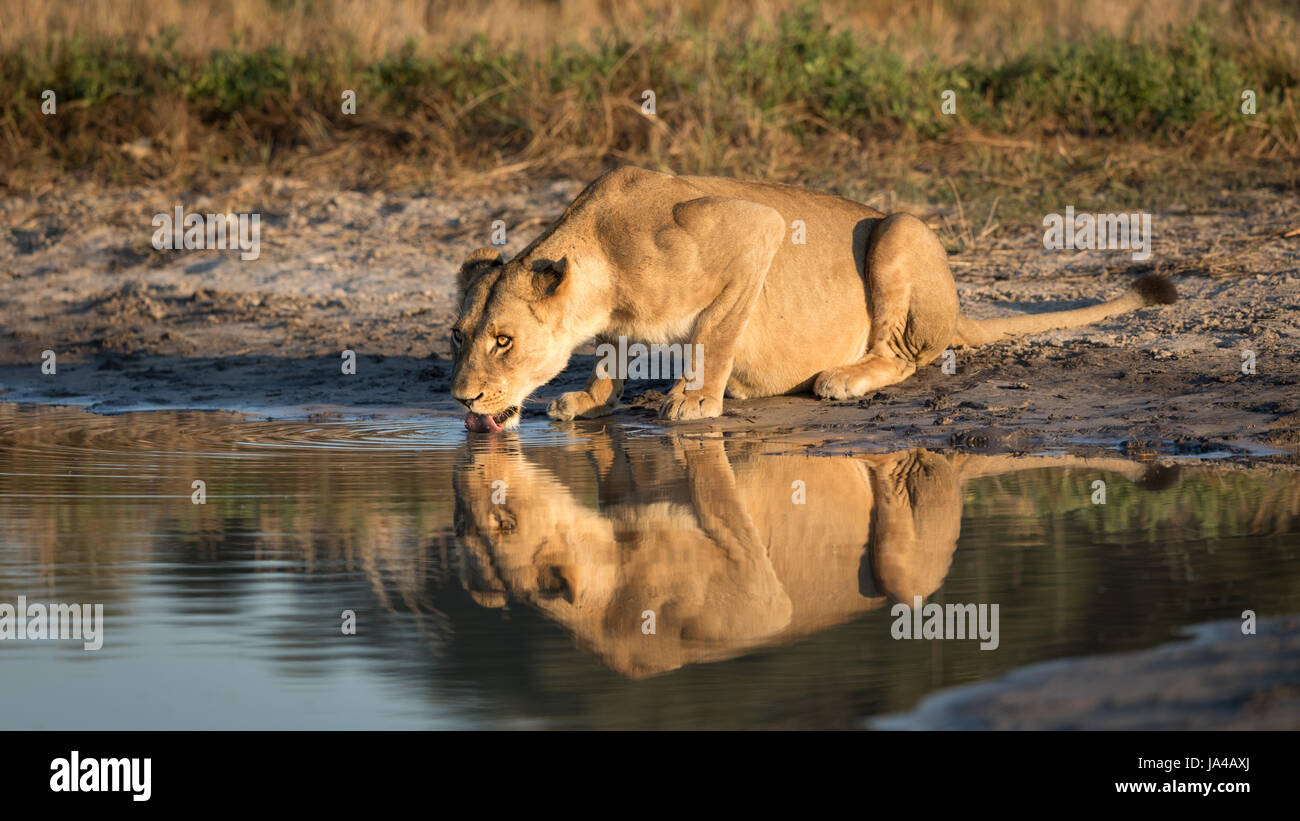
1052,104
948,29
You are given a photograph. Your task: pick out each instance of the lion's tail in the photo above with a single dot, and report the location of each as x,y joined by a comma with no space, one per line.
1149,290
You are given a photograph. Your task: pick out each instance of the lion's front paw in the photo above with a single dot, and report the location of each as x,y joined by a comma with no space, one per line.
571,405
690,406
568,405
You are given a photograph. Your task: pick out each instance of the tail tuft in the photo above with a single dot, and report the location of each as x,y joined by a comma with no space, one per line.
1156,290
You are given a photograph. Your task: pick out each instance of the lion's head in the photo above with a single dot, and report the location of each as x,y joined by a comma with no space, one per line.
526,536
512,335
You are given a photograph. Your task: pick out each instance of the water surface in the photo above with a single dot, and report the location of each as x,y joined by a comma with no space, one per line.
505,581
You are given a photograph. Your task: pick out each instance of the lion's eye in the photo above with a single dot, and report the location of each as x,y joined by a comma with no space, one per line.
503,341
456,337
505,521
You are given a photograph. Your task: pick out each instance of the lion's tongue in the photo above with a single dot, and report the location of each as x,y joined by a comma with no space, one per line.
481,423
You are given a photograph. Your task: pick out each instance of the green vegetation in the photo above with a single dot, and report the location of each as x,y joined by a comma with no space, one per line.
1106,118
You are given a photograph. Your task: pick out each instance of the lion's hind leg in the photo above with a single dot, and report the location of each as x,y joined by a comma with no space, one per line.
862,377
913,303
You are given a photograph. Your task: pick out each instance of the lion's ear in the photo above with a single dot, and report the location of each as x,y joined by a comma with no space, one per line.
474,265
551,276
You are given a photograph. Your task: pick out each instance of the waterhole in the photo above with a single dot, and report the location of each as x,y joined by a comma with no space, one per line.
403,574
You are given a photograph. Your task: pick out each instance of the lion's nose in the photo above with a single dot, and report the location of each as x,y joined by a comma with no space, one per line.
466,399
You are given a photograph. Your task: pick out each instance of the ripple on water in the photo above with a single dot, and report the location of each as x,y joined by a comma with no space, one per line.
527,608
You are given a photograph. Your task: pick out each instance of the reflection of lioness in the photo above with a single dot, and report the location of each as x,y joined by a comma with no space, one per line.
785,290
725,552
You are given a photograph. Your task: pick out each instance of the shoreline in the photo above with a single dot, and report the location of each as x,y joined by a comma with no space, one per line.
135,328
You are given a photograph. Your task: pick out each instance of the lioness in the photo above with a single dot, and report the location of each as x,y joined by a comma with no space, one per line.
861,303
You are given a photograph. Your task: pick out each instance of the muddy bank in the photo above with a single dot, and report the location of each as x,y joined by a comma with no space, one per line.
373,272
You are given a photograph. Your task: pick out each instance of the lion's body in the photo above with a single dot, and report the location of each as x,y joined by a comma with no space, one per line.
785,290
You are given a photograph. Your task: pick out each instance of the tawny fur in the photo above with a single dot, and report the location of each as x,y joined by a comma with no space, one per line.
861,303
726,564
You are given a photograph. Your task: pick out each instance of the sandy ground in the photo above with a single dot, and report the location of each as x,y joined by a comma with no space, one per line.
134,327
